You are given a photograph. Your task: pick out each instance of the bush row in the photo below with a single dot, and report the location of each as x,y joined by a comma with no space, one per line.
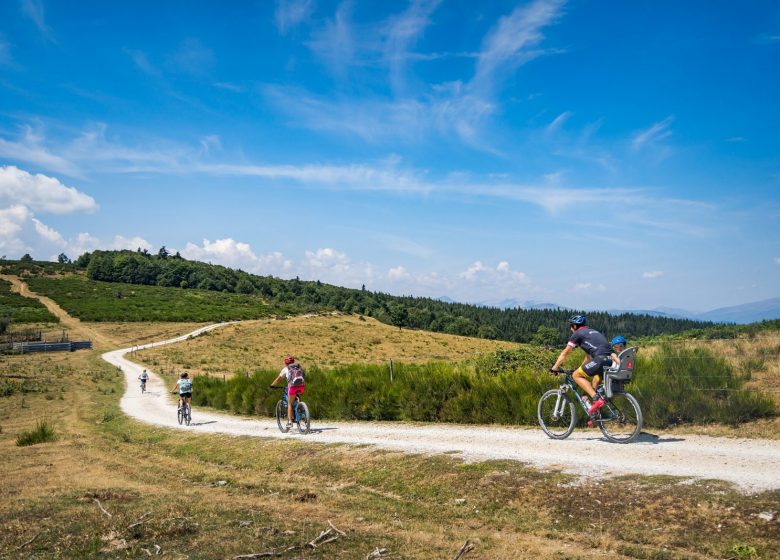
672,386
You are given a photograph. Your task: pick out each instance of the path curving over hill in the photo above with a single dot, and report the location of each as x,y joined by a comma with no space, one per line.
750,464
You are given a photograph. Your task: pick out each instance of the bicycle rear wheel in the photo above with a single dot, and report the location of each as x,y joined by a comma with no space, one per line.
302,418
187,414
557,415
281,417
620,418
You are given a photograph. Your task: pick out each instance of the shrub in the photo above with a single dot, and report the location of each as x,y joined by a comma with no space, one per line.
42,433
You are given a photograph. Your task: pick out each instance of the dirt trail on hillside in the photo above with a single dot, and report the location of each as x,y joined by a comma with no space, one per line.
74,325
750,464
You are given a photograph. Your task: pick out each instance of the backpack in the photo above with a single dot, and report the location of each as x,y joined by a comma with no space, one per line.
295,375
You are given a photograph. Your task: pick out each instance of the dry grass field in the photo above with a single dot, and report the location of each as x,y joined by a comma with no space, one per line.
322,340
109,487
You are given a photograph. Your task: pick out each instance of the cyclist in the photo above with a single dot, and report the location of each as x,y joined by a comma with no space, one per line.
618,345
144,377
184,384
599,356
293,373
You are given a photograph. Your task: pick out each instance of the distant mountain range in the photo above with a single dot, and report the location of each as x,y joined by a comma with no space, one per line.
763,310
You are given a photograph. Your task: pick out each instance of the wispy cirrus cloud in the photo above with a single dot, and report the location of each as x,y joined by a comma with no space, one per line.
141,60
402,32
654,134
34,10
557,122
334,43
291,13
192,57
651,275
777,260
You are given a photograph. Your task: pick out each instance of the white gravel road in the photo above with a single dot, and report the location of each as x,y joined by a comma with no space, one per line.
751,464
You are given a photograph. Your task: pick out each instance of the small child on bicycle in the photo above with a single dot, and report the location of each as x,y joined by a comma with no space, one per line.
293,373
184,385
144,377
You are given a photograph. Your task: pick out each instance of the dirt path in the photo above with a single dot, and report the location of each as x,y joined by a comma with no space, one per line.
750,464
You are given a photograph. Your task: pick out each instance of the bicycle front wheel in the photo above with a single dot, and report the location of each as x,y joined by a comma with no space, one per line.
303,420
620,419
281,417
180,415
557,415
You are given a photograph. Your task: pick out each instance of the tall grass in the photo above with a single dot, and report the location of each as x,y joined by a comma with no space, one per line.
43,432
673,387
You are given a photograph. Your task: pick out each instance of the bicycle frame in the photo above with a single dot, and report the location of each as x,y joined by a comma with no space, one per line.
569,384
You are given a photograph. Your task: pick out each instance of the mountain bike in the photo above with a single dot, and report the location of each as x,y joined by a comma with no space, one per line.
184,413
620,419
300,413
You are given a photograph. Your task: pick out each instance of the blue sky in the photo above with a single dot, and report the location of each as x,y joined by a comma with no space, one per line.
596,155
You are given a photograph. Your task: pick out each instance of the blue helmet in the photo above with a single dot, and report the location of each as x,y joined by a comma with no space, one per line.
618,340
578,320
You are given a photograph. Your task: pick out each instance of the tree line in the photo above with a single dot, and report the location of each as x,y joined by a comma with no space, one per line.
541,326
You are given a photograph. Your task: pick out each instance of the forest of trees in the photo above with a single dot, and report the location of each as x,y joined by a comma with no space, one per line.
542,326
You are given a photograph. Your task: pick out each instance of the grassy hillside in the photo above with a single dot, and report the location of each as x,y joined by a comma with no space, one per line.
161,489
316,340
103,301
19,309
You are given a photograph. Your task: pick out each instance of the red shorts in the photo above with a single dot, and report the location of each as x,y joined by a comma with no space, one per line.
294,390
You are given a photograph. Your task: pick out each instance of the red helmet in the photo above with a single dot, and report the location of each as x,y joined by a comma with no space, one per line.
288,360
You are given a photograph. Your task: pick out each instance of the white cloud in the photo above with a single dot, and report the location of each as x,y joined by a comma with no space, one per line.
402,32
501,275
192,57
652,274
657,132
49,234
41,193
507,45
5,52
334,42
34,10
397,273
142,62
29,147
589,287
236,254
291,13
777,260
557,122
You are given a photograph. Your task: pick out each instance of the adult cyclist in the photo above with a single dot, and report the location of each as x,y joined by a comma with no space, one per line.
599,356
144,377
184,385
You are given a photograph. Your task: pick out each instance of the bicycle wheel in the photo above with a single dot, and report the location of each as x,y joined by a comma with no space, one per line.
557,415
281,417
180,415
302,418
187,414
620,419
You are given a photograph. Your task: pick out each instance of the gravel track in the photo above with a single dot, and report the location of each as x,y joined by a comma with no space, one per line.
750,464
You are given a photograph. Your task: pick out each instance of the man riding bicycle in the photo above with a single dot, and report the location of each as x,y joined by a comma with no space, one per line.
184,385
598,356
293,373
144,377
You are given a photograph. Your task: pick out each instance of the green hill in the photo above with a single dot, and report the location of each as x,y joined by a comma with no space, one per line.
265,295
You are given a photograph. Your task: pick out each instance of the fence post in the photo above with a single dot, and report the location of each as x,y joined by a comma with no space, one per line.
390,364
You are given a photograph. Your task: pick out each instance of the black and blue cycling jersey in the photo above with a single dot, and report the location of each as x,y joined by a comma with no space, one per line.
591,341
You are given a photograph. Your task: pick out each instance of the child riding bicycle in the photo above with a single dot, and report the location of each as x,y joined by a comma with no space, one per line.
295,376
144,377
184,385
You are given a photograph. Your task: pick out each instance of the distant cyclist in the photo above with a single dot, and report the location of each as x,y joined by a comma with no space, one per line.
144,377
184,386
599,356
293,373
